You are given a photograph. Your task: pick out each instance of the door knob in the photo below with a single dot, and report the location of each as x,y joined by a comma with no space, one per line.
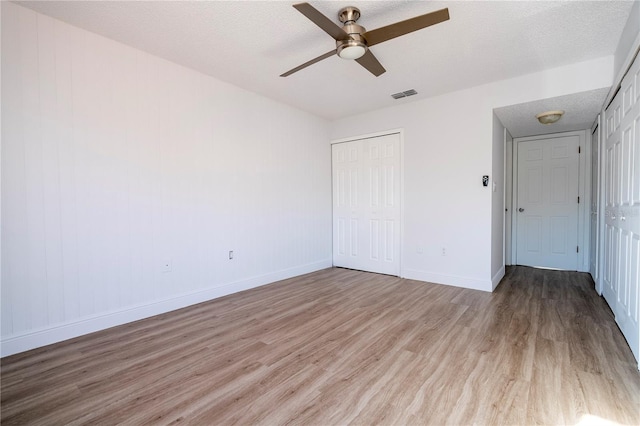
520,209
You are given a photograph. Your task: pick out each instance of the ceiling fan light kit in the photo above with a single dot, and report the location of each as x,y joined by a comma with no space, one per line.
353,41
549,117
351,49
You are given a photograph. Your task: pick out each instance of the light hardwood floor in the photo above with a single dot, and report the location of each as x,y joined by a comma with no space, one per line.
345,347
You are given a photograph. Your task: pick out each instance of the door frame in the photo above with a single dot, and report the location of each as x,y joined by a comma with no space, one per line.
598,244
584,179
400,133
508,198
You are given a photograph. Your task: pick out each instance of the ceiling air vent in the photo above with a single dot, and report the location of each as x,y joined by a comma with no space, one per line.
404,94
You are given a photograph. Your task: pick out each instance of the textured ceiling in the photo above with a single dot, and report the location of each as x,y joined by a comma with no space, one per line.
249,44
580,112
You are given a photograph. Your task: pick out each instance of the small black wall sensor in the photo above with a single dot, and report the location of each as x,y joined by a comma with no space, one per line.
485,180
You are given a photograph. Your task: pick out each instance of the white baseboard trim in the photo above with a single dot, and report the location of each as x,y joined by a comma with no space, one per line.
59,332
497,277
470,283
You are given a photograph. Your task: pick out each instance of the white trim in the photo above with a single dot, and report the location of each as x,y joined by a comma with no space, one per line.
497,278
370,135
584,209
514,186
583,183
597,245
451,280
617,81
504,199
508,191
400,133
400,249
45,336
601,202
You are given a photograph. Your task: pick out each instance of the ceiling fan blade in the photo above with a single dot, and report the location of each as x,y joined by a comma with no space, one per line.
371,63
398,29
311,62
326,24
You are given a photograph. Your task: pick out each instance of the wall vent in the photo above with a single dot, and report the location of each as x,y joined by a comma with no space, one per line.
404,94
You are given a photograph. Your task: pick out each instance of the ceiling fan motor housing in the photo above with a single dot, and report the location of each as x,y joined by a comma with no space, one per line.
357,40
356,46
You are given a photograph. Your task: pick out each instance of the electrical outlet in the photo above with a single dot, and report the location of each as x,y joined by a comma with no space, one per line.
444,251
420,250
230,254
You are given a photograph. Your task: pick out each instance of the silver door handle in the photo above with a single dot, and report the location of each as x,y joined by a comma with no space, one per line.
520,209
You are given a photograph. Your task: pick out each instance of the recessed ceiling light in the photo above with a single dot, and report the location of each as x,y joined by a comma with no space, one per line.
549,117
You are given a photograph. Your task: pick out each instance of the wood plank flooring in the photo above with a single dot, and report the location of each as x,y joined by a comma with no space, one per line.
345,347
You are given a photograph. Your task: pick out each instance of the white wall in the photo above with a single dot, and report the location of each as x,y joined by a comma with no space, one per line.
115,162
497,203
629,41
448,147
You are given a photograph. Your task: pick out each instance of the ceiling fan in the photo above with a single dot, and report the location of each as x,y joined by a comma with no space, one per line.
353,41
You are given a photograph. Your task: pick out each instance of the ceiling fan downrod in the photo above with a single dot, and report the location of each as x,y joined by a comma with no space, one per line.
349,14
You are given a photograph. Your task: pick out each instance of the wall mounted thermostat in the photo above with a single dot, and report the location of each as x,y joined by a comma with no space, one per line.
485,180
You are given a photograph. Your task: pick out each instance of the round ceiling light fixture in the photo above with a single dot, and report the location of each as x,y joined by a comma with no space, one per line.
351,49
549,117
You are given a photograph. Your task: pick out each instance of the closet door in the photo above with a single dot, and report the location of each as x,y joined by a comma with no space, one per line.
622,210
366,204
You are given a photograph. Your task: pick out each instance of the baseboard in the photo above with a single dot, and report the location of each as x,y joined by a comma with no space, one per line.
497,278
53,334
470,283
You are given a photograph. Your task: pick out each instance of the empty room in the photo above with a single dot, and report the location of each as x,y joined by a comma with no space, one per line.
322,213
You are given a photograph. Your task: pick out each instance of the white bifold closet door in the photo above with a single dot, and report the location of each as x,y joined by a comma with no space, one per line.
621,276
366,204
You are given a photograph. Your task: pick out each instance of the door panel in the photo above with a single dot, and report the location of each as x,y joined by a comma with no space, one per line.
622,208
547,202
366,204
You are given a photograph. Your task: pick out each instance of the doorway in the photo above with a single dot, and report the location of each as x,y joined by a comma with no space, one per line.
546,203
366,175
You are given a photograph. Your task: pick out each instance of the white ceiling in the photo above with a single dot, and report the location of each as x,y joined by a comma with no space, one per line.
580,112
249,44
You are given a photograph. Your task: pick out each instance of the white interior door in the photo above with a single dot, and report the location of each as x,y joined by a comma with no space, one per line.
547,202
366,204
622,208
